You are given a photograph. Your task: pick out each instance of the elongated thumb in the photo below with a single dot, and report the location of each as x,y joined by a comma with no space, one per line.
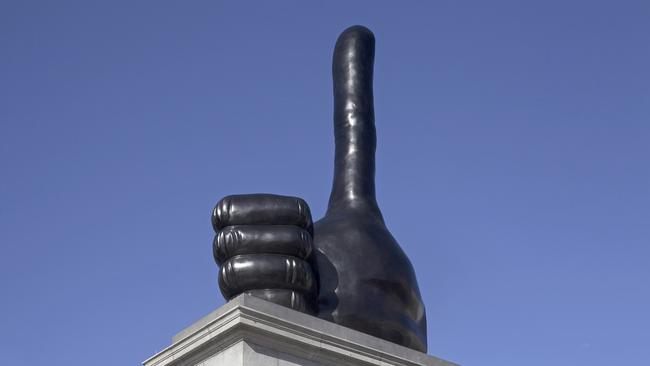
354,120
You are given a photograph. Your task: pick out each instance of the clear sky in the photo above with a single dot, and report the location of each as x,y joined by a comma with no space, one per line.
512,166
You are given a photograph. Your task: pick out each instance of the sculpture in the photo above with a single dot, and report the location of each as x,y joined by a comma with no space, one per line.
346,268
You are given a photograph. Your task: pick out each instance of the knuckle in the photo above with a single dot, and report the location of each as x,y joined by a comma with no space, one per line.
221,213
297,273
305,243
226,243
216,251
303,211
228,281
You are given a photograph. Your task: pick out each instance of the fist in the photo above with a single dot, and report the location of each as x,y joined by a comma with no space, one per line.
263,244
346,268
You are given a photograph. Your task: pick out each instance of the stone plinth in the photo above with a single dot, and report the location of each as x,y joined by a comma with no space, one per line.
249,331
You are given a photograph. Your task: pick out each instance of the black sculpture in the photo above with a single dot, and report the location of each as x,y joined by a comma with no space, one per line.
346,268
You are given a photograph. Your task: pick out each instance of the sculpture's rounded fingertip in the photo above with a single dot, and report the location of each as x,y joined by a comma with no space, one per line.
355,37
357,31
354,48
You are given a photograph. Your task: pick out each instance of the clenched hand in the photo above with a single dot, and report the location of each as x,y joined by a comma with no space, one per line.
346,268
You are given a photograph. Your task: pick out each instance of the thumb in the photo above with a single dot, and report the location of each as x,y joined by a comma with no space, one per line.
354,120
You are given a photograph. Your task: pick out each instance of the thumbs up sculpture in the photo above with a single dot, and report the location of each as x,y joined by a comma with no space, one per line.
346,268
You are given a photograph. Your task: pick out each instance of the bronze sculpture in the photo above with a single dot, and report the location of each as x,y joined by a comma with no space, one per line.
346,268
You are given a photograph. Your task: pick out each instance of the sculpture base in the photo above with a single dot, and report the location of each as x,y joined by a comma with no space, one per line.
249,331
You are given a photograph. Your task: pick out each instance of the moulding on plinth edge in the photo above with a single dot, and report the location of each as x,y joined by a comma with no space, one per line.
247,325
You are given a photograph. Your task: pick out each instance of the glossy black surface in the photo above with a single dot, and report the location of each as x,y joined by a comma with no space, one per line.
262,245
347,267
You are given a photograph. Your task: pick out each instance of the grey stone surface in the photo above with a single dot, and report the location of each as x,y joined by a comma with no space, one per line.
250,331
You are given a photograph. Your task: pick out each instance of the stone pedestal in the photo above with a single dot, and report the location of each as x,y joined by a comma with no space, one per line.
249,331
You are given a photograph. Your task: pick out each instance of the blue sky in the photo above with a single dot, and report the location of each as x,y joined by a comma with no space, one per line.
512,166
